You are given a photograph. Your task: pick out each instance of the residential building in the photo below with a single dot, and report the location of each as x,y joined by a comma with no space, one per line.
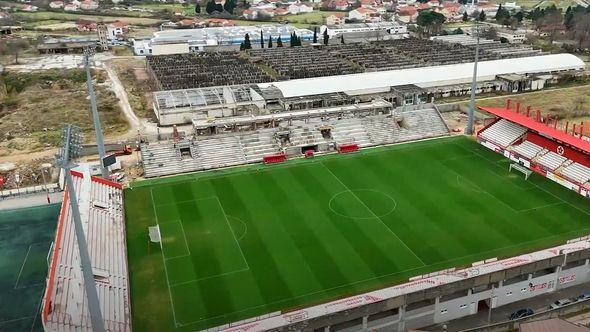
88,5
362,14
335,19
407,14
116,30
56,4
299,8
71,7
85,26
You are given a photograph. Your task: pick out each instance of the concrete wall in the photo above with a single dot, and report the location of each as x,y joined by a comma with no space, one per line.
459,299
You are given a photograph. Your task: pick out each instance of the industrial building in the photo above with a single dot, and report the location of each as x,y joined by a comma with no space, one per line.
195,40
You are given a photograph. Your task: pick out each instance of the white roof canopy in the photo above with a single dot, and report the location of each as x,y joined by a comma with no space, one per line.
427,76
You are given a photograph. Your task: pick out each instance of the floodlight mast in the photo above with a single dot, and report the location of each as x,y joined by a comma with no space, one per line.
70,149
469,128
88,55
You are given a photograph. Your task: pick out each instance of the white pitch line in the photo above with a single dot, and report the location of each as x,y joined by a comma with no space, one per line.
232,232
383,276
210,277
164,261
22,266
373,213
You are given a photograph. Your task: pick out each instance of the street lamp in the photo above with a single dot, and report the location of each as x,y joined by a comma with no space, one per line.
71,146
88,56
45,169
469,128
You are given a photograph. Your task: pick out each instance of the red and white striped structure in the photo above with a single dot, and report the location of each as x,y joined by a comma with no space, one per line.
538,142
64,306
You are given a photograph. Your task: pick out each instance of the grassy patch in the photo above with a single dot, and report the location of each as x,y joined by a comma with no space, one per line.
570,104
36,104
44,16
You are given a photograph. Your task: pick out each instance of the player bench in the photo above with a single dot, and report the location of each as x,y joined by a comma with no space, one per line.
275,158
527,172
346,148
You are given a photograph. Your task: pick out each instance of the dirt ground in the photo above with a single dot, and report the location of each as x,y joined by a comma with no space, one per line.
133,75
34,105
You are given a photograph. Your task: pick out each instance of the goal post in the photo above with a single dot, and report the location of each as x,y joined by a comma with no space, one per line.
527,172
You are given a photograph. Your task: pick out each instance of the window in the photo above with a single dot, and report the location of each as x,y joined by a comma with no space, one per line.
463,306
444,311
509,293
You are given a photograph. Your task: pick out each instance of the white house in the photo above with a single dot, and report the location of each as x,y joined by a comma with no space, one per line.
71,7
56,4
88,5
335,19
298,8
362,14
116,29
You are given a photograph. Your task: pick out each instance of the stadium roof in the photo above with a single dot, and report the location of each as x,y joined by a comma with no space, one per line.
539,127
427,76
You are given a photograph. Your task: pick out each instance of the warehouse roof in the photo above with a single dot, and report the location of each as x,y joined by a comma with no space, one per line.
427,76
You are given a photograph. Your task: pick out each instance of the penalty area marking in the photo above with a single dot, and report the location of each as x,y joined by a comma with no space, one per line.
243,223
374,215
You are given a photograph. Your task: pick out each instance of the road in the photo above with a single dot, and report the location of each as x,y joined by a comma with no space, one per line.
501,314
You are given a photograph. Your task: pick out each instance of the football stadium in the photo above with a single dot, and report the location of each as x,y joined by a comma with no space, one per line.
252,241
332,197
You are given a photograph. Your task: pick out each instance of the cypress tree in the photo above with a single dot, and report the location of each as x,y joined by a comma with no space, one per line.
197,8
342,39
315,35
270,42
247,44
261,39
326,37
279,42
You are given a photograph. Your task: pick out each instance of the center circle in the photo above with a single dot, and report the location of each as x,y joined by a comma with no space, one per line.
362,204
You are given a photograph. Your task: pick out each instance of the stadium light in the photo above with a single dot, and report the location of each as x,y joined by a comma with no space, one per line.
469,128
71,145
88,58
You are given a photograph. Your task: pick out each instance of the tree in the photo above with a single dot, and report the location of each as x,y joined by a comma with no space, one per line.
197,8
581,29
14,48
326,37
458,31
491,33
242,47
430,21
247,44
342,39
210,7
269,41
261,39
279,42
229,6
465,17
519,16
315,35
482,16
502,15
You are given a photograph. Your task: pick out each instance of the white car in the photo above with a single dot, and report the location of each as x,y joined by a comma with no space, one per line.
560,303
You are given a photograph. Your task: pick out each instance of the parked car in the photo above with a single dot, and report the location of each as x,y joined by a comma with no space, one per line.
521,313
584,296
560,303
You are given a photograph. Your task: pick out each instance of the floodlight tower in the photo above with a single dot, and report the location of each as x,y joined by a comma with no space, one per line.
71,146
88,58
469,128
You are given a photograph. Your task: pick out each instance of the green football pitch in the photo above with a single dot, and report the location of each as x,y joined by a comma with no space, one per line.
247,241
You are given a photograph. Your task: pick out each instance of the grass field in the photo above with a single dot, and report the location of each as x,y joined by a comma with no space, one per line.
252,240
25,237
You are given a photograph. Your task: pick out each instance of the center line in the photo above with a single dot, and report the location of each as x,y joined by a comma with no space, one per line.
373,213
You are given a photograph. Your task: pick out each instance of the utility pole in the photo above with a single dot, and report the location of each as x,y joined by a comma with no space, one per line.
469,128
88,55
70,149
